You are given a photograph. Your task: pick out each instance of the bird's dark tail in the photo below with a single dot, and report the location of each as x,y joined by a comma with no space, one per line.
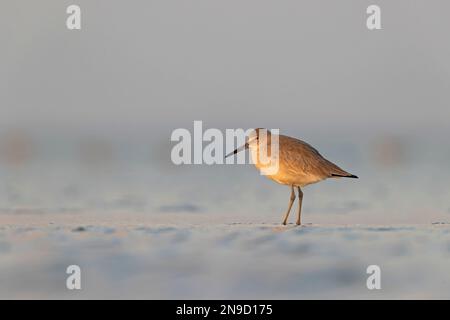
344,176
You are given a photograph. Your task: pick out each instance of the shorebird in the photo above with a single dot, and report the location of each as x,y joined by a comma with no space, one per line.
299,164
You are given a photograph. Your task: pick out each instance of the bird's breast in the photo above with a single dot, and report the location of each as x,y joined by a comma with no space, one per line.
288,178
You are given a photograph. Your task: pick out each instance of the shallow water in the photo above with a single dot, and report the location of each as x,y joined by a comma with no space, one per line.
407,183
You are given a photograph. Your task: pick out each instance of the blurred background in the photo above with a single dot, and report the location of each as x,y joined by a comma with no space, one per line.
86,116
86,176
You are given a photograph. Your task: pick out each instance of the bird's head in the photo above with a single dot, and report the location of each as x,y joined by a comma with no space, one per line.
253,139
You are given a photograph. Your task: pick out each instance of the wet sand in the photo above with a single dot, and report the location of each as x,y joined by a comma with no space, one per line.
164,257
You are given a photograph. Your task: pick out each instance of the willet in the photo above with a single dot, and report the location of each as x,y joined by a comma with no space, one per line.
299,164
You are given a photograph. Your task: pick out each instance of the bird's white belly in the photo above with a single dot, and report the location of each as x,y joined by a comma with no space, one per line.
297,179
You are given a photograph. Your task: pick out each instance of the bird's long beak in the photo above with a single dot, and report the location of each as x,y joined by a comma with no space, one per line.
243,147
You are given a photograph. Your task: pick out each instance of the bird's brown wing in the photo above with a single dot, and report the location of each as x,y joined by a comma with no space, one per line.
301,158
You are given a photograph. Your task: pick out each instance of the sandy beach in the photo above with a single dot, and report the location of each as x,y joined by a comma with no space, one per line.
147,258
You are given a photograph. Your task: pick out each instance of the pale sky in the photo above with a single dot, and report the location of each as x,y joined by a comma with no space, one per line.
158,65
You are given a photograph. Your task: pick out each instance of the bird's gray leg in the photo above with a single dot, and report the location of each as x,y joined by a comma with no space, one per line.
291,201
300,198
